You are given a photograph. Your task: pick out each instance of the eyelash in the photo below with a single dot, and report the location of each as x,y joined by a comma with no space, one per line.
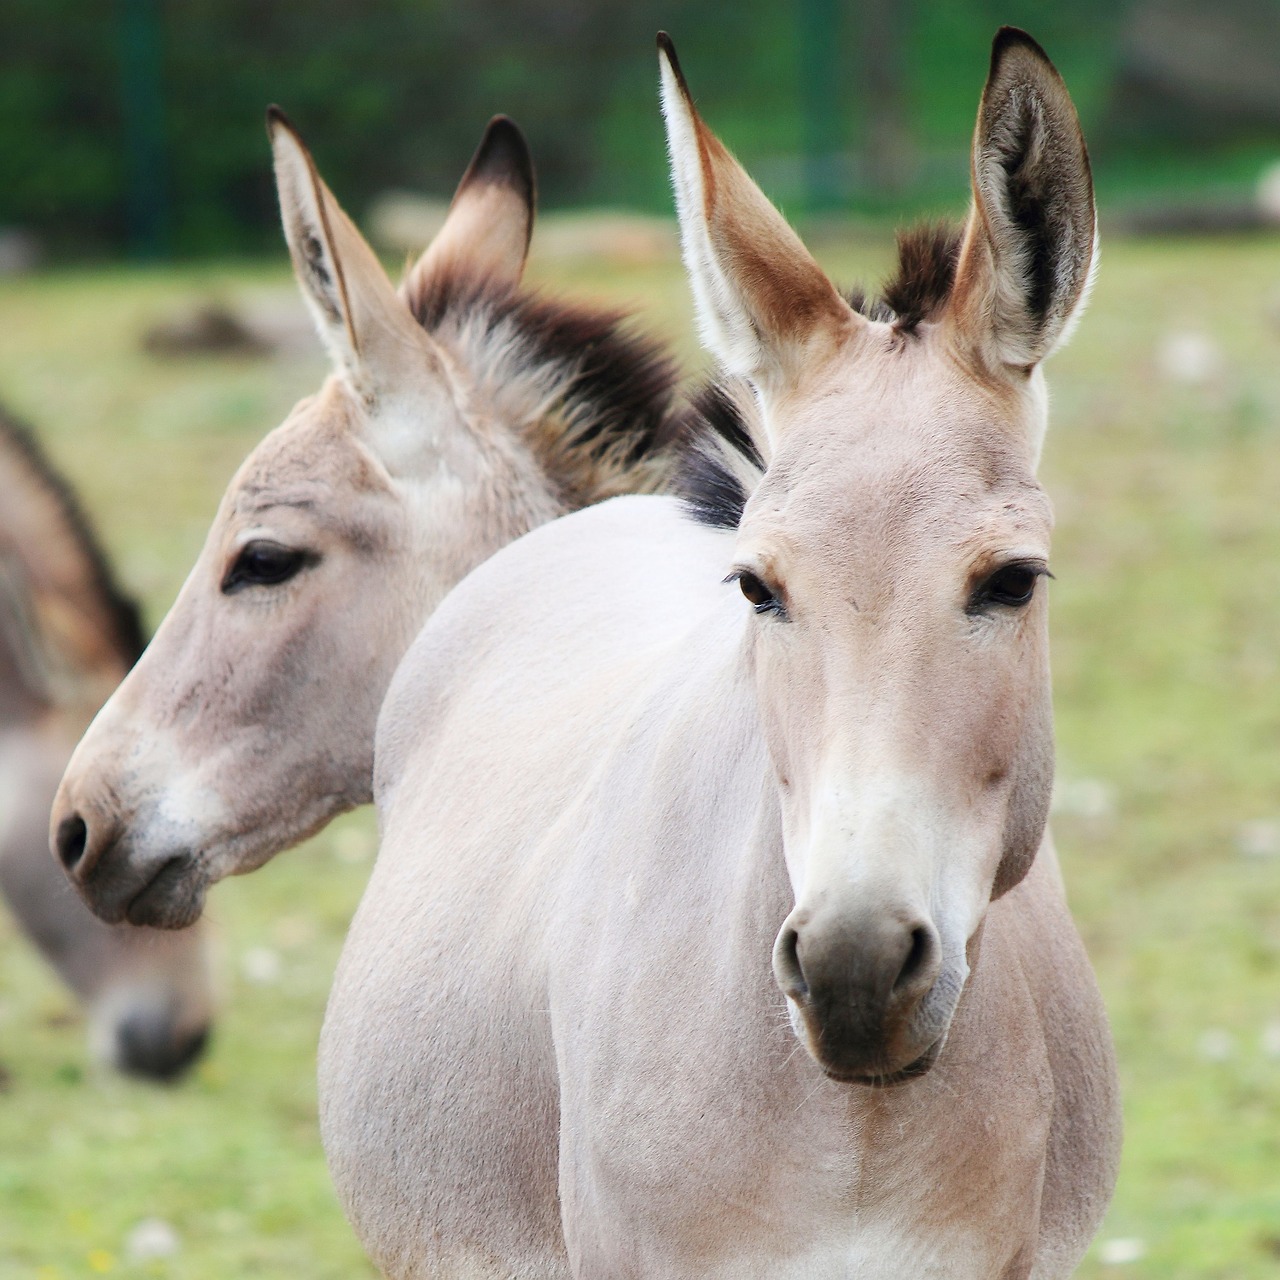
989,593
769,601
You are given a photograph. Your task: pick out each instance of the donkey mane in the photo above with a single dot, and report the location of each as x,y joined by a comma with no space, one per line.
44,530
920,287
723,458
723,449
591,398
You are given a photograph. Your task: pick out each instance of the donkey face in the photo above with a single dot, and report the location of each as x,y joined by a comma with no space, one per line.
894,552
249,721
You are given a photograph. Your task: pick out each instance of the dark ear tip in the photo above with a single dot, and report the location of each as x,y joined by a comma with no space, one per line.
503,156
276,119
1009,38
667,50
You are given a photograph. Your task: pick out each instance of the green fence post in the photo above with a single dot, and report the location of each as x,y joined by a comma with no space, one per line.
142,111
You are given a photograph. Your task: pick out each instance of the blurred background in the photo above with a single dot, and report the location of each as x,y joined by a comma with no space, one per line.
135,126
150,333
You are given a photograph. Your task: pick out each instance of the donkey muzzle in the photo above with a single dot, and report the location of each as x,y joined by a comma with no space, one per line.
118,881
860,987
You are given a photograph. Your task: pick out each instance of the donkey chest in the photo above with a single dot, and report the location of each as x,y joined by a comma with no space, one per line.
802,1189
739,1158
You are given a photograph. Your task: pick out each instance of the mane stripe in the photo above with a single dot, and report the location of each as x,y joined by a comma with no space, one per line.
721,462
922,284
127,636
598,411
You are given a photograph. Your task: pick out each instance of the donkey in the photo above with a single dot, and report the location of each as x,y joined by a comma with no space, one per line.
715,931
462,411
67,637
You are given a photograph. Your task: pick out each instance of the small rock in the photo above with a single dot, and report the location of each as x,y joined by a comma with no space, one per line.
1267,193
1217,1045
20,252
404,222
1083,798
1190,358
211,328
151,1238
261,966
1114,1253
280,318
606,235
1269,1042
1258,839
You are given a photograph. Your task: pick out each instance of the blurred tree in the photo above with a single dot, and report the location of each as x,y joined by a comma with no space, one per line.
1191,75
888,145
111,122
820,29
143,111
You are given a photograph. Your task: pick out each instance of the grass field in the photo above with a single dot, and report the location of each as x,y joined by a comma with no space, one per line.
1166,642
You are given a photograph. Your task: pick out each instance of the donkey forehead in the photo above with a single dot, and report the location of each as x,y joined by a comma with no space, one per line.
862,497
908,518
885,389
312,457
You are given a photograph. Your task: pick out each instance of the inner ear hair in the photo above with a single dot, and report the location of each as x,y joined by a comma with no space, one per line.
1033,195
312,219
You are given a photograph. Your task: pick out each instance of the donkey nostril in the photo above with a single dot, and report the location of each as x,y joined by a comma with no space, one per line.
787,965
918,958
73,835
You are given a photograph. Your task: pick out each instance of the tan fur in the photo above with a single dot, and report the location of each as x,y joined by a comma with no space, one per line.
584,454
461,413
65,643
66,602
490,220
710,944
747,275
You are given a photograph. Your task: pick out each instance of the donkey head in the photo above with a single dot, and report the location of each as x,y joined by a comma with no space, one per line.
894,552
249,721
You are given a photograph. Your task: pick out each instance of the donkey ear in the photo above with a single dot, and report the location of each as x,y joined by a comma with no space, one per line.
1029,248
762,301
368,330
490,220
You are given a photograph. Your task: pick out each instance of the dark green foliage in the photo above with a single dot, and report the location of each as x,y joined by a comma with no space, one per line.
139,122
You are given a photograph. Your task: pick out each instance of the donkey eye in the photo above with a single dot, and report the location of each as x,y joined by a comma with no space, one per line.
1013,586
264,564
762,599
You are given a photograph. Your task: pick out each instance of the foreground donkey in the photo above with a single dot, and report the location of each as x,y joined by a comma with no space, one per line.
709,936
461,413
67,637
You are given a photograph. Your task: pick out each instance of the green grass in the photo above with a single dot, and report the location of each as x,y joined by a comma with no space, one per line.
1166,621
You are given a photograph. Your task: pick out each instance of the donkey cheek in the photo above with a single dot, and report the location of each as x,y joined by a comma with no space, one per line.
1026,819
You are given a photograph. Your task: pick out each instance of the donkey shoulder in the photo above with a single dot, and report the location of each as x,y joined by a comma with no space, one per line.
627,573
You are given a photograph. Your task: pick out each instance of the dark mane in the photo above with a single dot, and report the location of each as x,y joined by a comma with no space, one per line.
722,450
593,398
720,462
920,287
18,441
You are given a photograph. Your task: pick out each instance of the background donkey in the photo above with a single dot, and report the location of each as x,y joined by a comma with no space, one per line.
715,936
462,411
67,638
